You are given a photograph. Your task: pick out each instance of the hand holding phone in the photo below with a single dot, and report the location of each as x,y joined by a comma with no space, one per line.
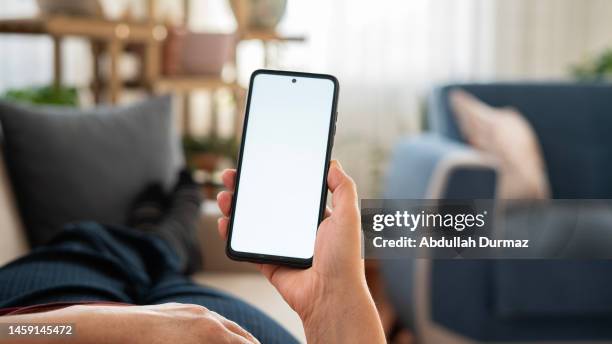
331,297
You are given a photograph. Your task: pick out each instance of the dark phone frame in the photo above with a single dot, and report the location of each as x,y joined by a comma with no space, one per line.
272,259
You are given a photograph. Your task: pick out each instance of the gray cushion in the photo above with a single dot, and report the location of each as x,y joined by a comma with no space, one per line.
69,165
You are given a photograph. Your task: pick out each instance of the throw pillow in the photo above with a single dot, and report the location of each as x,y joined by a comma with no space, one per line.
71,165
505,134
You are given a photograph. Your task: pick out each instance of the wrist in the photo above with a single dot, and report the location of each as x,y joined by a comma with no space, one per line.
355,318
332,305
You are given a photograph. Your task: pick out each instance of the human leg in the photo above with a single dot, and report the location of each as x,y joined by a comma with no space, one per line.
86,262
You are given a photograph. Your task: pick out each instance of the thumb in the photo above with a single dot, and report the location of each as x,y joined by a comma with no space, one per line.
344,191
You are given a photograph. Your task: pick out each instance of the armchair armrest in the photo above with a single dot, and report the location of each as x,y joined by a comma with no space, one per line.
431,166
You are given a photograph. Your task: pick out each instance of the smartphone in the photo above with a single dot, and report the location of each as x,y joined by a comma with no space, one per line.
281,183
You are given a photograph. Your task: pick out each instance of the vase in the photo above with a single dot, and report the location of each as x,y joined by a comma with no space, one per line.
258,14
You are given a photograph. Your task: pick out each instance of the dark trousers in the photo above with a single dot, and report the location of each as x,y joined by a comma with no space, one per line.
91,262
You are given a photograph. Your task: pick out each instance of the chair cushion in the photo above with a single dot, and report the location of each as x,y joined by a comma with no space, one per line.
69,165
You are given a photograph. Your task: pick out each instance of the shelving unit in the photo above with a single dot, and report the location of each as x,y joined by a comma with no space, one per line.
186,85
109,35
113,38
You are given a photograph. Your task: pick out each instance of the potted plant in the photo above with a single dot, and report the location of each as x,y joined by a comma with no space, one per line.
205,153
597,69
45,95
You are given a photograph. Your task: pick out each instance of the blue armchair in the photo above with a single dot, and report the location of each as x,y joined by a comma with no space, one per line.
447,301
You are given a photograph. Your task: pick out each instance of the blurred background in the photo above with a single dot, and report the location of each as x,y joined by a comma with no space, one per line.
398,63
393,51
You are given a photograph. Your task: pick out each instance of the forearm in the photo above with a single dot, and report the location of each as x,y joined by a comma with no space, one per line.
349,316
88,326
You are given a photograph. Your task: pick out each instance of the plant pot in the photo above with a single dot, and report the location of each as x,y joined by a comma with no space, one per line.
204,161
258,14
193,53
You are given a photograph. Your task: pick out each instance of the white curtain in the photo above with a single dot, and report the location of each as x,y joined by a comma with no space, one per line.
386,53
542,39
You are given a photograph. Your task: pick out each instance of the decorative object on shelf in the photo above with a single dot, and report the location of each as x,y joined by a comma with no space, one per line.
258,14
45,95
194,53
257,20
597,69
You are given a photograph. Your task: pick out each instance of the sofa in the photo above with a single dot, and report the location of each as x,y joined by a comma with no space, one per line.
520,301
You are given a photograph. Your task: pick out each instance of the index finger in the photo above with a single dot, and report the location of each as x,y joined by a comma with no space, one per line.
229,179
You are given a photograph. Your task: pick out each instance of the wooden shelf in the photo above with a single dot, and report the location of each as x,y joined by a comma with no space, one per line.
113,36
84,27
268,36
188,83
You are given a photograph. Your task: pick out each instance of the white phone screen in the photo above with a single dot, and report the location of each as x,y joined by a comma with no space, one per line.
282,170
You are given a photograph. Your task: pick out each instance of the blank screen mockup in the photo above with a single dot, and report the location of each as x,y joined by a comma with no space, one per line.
282,170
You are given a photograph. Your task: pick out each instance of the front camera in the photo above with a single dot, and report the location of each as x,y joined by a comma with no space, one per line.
293,81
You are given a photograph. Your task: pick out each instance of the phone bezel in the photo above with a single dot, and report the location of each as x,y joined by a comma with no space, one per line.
272,259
